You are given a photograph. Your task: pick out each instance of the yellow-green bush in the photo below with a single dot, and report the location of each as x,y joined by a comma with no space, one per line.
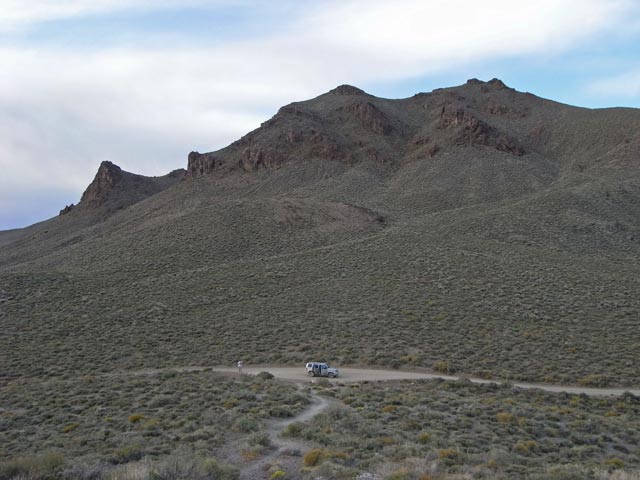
313,457
70,428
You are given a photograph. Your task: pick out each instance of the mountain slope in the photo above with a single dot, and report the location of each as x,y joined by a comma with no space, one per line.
474,228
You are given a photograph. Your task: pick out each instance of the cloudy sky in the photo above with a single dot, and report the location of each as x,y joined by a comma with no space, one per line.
143,82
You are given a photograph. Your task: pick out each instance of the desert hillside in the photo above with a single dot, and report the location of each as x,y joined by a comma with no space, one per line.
475,229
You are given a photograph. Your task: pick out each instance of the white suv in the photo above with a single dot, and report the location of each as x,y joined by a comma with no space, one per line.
315,369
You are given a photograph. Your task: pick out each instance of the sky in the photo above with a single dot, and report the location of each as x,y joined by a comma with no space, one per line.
144,82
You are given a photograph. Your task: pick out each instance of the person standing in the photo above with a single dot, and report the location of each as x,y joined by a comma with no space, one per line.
240,365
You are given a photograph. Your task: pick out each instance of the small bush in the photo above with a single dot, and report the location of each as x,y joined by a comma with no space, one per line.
594,380
229,404
525,446
259,439
313,457
278,474
245,425
265,376
614,463
128,453
280,412
401,474
47,465
249,455
135,418
70,428
220,471
442,366
504,417
292,430
450,453
424,437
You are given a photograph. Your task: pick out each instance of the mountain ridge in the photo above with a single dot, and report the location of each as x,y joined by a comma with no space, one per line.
338,231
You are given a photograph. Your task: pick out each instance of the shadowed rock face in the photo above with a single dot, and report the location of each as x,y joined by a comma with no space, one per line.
200,164
114,189
105,181
470,130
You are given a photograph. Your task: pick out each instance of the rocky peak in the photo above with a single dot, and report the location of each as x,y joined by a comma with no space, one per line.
493,84
113,188
108,176
347,90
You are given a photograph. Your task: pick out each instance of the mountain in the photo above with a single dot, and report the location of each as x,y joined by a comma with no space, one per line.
473,228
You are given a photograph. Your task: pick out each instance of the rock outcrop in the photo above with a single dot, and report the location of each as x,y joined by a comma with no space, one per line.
108,177
470,130
201,164
370,116
67,209
112,188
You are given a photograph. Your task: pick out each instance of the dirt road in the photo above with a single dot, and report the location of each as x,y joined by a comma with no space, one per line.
351,375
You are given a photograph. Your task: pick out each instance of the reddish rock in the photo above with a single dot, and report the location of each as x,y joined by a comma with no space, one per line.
371,117
201,163
108,176
470,130
254,158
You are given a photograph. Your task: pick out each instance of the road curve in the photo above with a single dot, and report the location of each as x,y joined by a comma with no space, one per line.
352,375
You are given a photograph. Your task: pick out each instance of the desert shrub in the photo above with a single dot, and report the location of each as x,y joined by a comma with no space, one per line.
46,465
442,366
231,403
250,454
245,424
265,376
448,454
151,424
424,437
504,417
614,462
220,471
594,380
278,474
400,474
280,411
177,467
525,446
96,471
162,401
128,453
259,439
135,418
292,430
70,428
313,457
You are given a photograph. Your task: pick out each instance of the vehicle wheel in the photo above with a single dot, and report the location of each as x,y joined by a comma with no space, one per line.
331,375
311,374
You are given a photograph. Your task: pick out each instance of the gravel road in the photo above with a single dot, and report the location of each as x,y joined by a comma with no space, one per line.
351,375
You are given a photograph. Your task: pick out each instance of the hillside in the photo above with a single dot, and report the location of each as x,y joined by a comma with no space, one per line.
473,228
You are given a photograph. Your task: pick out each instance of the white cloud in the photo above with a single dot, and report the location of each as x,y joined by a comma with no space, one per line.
625,85
24,13
63,111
